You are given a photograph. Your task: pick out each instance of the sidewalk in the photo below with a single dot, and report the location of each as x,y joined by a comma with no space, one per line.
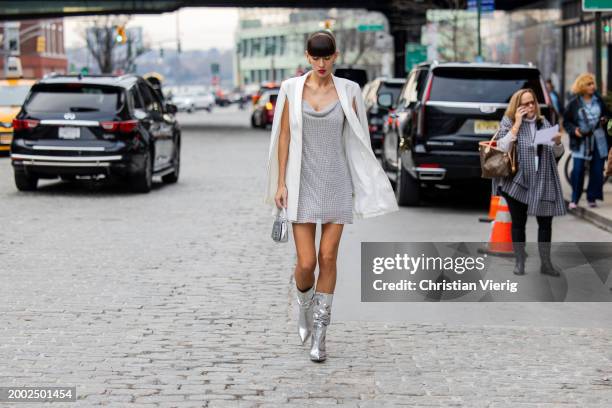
600,216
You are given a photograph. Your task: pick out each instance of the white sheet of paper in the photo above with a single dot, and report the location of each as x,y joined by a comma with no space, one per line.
545,136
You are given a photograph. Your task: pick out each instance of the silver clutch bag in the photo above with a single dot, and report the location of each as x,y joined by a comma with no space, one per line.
280,228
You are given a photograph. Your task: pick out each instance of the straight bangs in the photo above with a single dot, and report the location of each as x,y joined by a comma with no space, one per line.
321,44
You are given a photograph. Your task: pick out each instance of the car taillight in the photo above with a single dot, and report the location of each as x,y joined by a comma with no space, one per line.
126,126
430,165
269,106
25,124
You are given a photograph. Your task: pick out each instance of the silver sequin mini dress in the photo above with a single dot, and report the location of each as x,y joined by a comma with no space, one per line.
326,187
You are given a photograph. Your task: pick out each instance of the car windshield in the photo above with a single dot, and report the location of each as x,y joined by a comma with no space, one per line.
391,87
483,85
13,95
74,98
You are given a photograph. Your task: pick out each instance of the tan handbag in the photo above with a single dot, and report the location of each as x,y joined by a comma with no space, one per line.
494,162
609,164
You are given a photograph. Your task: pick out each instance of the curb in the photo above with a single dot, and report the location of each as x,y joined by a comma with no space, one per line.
591,216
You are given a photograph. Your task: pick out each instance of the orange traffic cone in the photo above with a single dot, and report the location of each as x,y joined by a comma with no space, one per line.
493,206
500,240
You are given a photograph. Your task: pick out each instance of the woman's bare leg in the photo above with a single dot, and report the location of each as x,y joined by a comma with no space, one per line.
328,255
304,237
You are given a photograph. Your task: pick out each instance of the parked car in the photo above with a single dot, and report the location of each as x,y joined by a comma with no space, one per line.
193,102
13,92
388,90
444,111
357,74
266,86
222,98
263,113
95,126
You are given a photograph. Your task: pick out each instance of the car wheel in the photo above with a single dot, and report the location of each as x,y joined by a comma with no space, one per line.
407,189
143,179
25,182
190,109
174,176
253,122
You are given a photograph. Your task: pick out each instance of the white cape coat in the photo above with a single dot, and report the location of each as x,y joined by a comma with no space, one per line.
372,191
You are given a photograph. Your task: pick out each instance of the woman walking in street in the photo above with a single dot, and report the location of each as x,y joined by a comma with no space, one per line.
535,189
585,120
321,169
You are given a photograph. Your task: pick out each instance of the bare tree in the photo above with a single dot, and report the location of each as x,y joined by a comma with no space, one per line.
456,34
100,37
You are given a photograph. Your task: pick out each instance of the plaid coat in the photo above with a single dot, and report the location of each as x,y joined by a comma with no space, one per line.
541,189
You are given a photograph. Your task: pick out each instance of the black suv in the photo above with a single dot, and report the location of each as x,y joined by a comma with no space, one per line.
380,97
88,126
444,110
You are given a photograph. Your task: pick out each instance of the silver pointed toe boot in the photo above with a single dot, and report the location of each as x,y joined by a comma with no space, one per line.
305,313
321,318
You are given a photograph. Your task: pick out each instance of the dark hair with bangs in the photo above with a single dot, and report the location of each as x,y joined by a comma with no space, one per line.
321,44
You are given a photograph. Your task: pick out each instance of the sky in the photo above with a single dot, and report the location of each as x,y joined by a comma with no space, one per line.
201,28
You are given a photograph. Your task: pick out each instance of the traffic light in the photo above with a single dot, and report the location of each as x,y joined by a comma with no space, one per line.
120,35
607,28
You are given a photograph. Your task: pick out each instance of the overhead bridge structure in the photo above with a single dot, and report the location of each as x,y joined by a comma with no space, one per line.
406,17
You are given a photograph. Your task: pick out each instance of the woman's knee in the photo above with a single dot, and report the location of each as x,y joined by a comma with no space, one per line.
306,264
327,259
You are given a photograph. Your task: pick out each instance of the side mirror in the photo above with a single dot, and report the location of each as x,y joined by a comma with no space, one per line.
171,108
385,100
140,114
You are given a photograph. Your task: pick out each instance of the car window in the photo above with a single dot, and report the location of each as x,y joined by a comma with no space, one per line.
483,85
136,98
13,95
74,98
408,93
421,80
151,103
393,88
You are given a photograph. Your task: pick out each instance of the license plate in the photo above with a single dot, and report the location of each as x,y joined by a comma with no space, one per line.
6,139
69,132
484,127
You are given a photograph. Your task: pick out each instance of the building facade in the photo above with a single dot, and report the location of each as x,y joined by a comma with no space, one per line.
270,42
38,43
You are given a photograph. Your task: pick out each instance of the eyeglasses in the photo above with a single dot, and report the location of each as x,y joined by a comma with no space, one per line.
530,103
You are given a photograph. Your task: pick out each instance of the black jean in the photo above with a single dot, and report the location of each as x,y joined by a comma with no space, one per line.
518,213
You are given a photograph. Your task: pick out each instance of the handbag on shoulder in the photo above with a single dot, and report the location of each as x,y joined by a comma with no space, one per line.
495,162
280,227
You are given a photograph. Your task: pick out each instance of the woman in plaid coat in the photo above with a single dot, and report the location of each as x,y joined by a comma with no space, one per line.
535,189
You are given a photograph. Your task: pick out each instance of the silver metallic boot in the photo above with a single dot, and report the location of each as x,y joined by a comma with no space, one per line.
321,318
305,313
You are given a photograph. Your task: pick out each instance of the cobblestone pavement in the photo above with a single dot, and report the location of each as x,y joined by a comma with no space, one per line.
179,298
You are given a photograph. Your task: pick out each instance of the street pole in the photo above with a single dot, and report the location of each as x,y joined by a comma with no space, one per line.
479,12
597,51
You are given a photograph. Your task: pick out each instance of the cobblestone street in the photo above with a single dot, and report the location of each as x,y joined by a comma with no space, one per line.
179,298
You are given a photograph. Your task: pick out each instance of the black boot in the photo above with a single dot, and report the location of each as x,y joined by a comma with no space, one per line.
519,258
546,267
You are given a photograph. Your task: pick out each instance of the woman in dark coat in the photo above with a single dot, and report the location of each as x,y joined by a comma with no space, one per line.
535,189
585,119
